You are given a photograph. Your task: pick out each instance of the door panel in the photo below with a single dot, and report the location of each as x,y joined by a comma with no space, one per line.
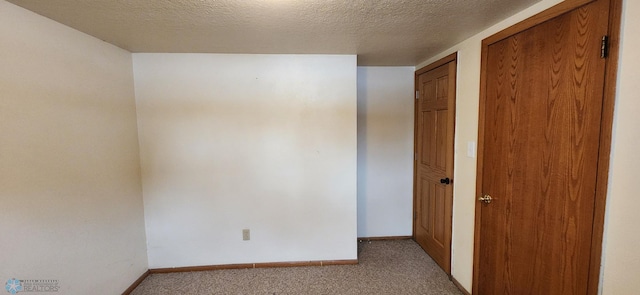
439,236
428,120
434,161
542,116
441,140
427,189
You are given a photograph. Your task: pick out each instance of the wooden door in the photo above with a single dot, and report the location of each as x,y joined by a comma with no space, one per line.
541,111
435,109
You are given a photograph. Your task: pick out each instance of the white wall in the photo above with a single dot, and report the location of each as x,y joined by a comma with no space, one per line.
265,142
385,151
70,183
620,256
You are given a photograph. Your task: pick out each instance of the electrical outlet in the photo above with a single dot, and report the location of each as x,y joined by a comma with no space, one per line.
246,234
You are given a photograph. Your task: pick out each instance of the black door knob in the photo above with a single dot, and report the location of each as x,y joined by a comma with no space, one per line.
445,180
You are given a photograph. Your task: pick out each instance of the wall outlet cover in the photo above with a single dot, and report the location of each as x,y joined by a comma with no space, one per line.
246,234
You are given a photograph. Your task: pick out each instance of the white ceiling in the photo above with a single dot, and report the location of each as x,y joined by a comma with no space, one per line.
380,32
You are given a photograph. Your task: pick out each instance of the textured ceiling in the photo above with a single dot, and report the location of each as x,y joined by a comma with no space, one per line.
380,32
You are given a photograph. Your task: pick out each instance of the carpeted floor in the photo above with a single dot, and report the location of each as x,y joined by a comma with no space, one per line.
385,267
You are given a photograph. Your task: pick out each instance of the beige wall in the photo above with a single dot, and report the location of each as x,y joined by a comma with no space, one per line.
621,258
385,151
69,170
259,142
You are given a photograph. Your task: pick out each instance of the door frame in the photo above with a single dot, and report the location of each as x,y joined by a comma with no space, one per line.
443,61
615,12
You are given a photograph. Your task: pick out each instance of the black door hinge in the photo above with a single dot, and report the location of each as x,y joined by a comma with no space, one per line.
604,47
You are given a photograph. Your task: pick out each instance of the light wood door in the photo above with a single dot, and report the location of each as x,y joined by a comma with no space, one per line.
540,134
435,108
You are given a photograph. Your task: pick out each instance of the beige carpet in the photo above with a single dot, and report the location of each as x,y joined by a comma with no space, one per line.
386,267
